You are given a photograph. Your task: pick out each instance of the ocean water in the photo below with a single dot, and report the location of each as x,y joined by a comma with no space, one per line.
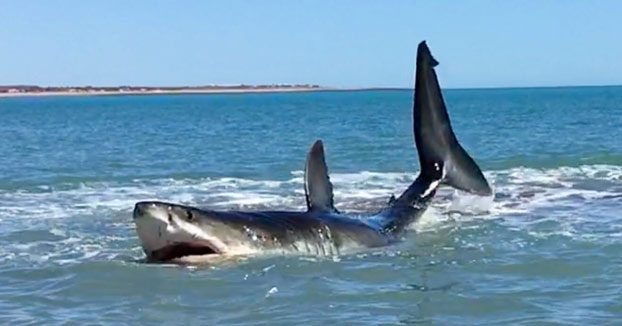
546,250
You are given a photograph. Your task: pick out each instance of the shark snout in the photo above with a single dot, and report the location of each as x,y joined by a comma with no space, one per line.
140,209
146,208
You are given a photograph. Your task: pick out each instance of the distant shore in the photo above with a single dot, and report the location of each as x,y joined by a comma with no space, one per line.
42,91
26,90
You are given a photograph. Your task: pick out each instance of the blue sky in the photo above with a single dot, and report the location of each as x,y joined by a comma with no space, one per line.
332,43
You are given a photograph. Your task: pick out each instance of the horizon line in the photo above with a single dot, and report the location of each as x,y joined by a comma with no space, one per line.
276,86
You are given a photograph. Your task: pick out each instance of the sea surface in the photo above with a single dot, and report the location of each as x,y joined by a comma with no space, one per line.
546,250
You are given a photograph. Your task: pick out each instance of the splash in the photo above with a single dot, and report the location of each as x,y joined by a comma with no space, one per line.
92,220
517,190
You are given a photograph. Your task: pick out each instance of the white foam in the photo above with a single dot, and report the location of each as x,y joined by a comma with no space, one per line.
520,189
67,212
471,204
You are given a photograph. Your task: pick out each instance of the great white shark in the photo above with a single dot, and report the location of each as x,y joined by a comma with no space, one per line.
170,231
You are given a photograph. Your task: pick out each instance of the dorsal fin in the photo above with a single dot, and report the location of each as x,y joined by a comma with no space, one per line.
318,189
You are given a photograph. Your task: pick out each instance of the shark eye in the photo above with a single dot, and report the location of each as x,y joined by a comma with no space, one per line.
190,216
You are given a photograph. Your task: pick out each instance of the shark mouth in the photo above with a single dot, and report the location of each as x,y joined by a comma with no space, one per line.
179,250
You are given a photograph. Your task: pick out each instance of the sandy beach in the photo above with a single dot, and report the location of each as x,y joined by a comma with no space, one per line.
163,91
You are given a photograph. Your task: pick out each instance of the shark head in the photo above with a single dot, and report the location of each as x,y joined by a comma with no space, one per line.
170,231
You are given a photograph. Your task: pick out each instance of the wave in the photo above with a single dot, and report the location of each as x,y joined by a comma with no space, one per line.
516,190
75,222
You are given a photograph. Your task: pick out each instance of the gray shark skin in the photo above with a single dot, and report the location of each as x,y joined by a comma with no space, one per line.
169,231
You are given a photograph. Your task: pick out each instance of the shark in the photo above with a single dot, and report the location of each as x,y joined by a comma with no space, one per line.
171,232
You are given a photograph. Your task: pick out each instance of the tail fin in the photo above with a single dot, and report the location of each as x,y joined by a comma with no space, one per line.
440,154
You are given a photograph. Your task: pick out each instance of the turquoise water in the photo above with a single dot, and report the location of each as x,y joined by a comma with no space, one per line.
545,251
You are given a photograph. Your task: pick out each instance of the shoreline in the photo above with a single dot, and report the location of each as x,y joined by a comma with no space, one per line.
171,92
249,90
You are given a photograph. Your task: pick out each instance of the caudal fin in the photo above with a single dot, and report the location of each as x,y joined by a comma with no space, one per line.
440,154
